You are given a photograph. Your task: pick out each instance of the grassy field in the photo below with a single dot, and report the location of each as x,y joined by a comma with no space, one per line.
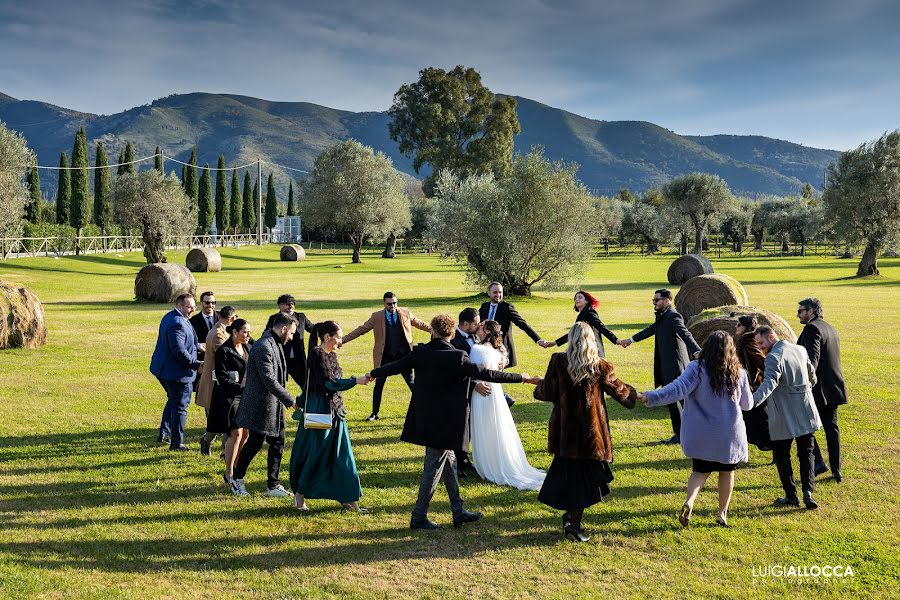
91,506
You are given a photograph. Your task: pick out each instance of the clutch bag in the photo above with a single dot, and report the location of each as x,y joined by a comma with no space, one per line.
316,421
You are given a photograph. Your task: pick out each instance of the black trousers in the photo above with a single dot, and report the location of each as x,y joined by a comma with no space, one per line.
675,416
782,453
379,383
252,447
829,417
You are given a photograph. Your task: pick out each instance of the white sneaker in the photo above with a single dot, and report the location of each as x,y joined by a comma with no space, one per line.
238,488
277,492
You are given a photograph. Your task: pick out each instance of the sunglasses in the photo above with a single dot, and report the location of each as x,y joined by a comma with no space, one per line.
390,303
209,302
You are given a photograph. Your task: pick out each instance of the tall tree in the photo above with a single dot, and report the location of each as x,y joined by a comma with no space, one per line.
355,191
14,155
271,214
35,203
450,120
63,191
223,210
80,211
190,178
120,162
248,213
291,208
236,202
158,161
808,193
699,197
737,223
102,204
204,203
862,197
128,167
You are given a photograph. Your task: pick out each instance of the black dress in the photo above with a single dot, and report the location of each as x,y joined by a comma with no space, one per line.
230,369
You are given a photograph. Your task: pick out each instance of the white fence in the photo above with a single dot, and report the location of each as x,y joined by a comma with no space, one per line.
66,246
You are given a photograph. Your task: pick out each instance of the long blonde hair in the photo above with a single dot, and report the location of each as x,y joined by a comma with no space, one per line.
582,354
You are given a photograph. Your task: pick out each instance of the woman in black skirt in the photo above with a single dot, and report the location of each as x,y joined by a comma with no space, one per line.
579,436
230,367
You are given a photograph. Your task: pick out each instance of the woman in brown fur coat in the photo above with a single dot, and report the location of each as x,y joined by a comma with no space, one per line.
579,437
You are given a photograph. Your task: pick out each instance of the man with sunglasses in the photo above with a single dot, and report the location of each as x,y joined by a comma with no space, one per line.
295,349
206,319
673,342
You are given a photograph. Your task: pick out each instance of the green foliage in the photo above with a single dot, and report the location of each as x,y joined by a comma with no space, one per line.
737,223
643,223
609,213
80,211
158,161
422,210
799,221
291,209
190,178
534,226
767,209
15,160
63,191
700,198
234,213
248,213
355,191
102,203
255,201
204,203
271,207
120,162
450,120
808,192
129,159
862,197
223,208
33,208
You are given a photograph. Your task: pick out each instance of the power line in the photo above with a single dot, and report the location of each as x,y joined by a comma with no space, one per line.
164,157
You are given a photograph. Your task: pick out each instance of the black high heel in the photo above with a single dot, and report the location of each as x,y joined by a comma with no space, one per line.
575,534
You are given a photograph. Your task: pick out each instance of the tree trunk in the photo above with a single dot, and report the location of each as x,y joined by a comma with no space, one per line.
784,246
389,247
802,247
518,288
698,240
684,243
153,246
739,246
357,244
651,248
757,241
869,263
78,241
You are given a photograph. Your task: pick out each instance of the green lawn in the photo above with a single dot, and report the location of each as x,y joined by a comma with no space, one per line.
91,506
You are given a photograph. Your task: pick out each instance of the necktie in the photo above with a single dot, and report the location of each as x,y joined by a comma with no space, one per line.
493,312
209,322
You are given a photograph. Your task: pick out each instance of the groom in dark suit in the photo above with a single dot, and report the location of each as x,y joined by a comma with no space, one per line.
437,413
465,339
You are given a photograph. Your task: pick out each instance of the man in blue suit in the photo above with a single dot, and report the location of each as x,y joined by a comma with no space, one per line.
174,364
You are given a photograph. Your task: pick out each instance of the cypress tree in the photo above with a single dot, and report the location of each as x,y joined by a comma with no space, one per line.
204,202
129,158
33,208
236,202
183,175
80,208
190,178
291,209
248,214
102,205
121,168
223,218
158,161
271,216
63,191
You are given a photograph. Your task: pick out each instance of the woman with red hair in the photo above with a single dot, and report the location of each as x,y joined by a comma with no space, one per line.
586,307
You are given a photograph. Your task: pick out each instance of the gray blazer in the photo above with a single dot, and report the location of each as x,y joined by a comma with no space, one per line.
788,384
264,394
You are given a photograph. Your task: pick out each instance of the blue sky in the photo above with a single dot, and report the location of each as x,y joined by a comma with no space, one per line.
821,73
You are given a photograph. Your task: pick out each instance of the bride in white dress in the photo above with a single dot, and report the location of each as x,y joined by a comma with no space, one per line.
497,451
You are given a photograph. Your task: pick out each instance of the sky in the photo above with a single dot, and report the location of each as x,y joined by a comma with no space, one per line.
822,73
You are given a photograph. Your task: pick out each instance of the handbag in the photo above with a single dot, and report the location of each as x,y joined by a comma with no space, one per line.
314,420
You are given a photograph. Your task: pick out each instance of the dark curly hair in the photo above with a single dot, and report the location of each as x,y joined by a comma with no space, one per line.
493,336
720,362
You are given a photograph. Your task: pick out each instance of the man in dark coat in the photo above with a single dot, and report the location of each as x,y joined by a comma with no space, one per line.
465,339
204,320
436,417
672,344
262,404
295,350
824,349
506,315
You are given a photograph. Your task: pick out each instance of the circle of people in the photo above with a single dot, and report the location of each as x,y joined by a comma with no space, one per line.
741,387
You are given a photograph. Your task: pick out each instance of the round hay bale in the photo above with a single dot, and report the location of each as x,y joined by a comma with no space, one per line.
22,322
688,266
709,291
204,260
163,282
292,253
725,318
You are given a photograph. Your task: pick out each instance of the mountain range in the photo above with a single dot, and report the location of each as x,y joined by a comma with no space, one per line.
611,154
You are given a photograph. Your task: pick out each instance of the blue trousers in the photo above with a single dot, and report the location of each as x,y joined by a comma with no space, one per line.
174,417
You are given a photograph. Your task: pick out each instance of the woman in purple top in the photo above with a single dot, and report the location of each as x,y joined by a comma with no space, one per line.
715,390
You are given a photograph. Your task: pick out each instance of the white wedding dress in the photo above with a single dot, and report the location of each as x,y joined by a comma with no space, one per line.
497,451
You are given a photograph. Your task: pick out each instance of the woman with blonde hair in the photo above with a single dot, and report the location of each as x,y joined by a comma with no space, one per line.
579,436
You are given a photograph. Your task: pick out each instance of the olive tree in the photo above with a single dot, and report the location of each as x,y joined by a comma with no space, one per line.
862,197
157,206
799,221
608,216
536,225
15,159
701,198
736,223
642,223
354,191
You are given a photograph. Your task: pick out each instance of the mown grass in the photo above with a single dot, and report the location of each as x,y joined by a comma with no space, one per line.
91,506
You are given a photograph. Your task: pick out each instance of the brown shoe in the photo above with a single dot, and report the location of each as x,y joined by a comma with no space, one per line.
684,517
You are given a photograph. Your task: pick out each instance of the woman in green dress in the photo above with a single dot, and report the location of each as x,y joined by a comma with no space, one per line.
322,464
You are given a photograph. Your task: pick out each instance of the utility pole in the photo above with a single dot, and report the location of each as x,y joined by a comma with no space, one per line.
259,209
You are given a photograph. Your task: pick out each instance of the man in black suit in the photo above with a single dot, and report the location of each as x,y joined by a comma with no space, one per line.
437,413
205,320
672,343
824,349
465,338
506,315
295,349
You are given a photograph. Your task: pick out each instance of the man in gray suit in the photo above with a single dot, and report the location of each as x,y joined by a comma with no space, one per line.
263,401
787,384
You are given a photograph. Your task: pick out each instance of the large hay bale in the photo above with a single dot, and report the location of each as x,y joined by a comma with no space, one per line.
163,282
22,322
292,253
204,260
709,291
688,266
725,318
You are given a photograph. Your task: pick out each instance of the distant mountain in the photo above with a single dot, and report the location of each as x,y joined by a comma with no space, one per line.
611,154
